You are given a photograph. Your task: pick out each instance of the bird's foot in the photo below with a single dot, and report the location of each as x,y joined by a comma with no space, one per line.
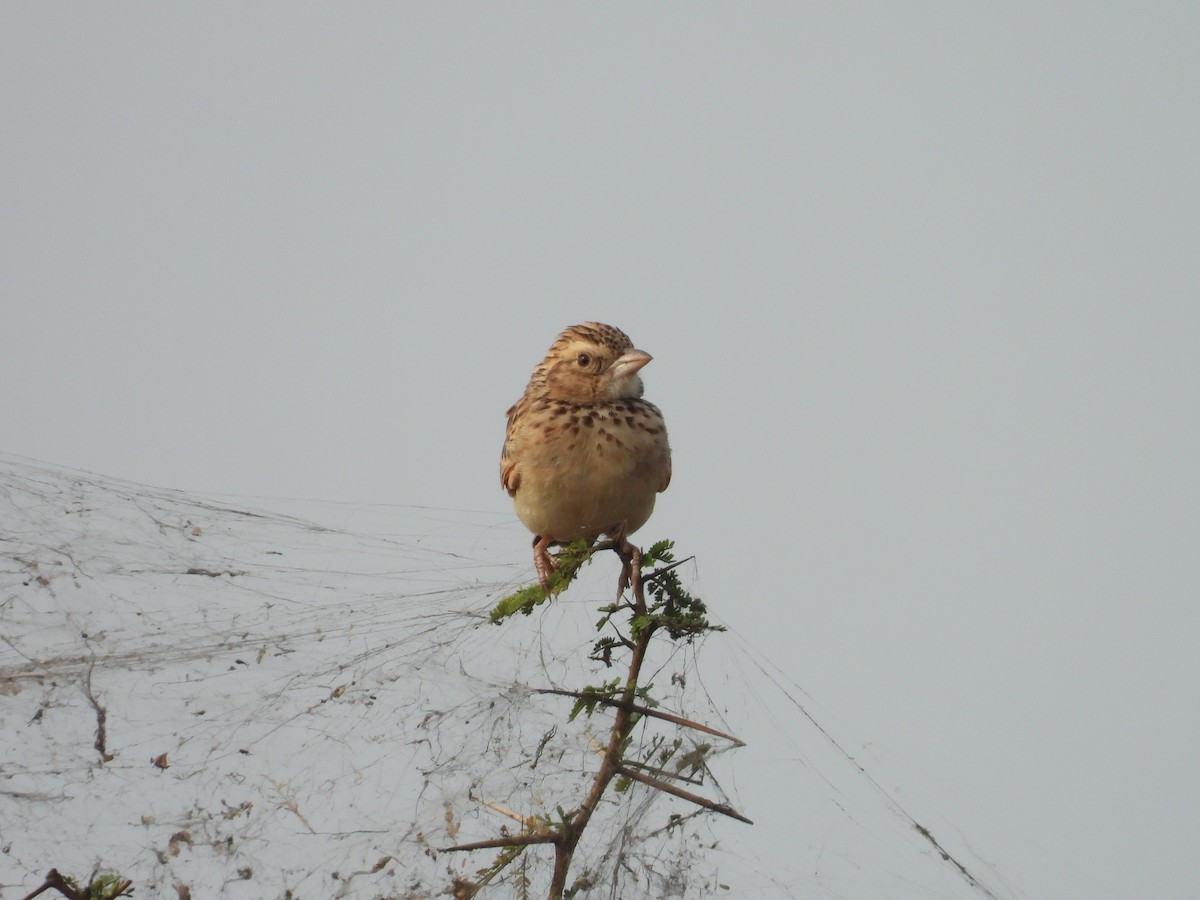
543,562
631,567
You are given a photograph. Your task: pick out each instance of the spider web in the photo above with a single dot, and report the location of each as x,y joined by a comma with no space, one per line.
310,701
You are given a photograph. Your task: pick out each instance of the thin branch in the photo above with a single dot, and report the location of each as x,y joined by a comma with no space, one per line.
517,840
663,773
564,850
658,573
47,885
722,808
644,710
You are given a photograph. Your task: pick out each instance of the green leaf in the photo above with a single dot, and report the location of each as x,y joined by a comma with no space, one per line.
567,564
660,551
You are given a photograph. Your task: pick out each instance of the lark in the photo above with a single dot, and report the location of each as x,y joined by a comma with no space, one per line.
584,454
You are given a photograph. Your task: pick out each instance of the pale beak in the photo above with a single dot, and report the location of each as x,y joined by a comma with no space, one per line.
629,362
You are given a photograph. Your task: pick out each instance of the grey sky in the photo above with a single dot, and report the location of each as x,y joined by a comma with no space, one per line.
921,284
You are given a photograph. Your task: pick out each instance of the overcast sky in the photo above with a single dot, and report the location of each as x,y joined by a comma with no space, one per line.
922,285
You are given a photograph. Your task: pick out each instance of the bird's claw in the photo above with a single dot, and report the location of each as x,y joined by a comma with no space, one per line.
631,567
631,564
543,562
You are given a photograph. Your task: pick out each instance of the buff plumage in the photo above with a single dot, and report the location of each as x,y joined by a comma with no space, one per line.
584,455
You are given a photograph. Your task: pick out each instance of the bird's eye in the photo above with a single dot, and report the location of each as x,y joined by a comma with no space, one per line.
584,360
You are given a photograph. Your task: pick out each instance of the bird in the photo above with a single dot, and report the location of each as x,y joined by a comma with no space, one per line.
584,455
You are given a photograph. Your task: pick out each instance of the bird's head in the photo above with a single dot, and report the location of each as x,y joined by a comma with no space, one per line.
592,363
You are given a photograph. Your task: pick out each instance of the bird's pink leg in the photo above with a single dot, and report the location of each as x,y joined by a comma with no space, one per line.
542,561
631,566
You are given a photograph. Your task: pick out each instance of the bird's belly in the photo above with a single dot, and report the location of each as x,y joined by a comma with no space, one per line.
568,497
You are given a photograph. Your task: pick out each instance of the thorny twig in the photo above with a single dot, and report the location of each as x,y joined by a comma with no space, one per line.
643,710
722,808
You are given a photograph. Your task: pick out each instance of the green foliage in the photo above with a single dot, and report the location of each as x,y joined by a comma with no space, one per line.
659,552
568,562
521,881
694,761
503,860
671,605
107,887
663,756
590,696
101,887
602,650
523,601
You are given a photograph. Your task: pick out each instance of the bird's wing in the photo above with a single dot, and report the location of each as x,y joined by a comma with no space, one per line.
510,476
